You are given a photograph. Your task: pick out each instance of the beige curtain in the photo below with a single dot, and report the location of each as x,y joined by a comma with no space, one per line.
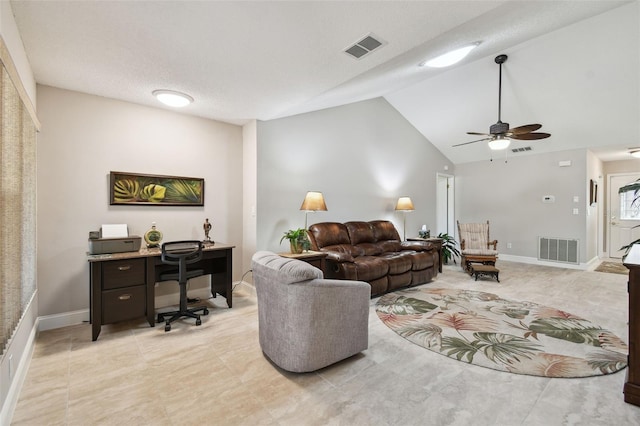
17,201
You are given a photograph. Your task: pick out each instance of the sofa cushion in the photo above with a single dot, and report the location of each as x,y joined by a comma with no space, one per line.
360,232
328,234
384,230
370,268
370,249
284,270
390,246
399,263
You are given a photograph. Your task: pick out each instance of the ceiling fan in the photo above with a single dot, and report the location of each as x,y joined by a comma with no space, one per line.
500,134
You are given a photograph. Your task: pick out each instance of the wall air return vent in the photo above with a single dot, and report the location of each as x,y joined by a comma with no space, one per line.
523,149
363,47
558,250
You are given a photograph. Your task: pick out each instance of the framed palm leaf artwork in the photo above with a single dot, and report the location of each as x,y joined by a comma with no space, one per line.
155,190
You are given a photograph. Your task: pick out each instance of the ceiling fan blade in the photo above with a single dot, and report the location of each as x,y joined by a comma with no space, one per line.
478,134
524,129
467,143
530,136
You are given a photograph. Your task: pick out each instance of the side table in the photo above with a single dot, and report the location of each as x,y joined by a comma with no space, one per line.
436,242
313,258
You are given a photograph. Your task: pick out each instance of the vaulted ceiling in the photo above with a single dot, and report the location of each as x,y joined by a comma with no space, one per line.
243,60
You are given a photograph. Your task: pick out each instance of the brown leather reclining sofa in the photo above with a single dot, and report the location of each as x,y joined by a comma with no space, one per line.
372,252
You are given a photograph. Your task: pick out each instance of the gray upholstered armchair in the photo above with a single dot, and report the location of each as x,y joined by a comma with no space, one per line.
307,322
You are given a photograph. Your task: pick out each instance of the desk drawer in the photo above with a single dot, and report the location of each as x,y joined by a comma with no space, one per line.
123,304
123,273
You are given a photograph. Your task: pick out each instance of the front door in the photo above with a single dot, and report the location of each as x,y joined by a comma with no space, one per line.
622,218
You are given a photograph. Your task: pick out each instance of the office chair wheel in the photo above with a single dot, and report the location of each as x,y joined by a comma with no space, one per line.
198,321
167,327
205,311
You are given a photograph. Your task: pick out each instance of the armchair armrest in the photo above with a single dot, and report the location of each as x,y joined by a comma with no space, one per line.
463,244
493,243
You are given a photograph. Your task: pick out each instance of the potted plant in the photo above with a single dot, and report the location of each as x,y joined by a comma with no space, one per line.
298,240
449,247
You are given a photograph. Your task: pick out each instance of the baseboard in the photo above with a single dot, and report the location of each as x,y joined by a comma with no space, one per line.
536,261
19,350
246,287
49,322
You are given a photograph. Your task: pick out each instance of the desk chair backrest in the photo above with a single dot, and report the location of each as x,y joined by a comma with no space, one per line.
182,253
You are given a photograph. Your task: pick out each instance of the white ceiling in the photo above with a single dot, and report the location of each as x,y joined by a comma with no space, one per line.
243,60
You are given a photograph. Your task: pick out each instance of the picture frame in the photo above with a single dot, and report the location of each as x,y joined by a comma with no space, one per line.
593,192
126,188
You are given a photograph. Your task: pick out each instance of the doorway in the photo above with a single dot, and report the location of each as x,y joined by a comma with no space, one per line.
621,220
445,222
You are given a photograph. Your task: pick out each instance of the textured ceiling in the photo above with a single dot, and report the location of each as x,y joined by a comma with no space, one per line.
243,60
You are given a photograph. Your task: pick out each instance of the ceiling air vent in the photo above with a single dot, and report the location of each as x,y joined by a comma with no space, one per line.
363,47
526,148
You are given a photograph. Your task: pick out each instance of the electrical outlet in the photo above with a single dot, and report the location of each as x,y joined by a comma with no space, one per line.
508,245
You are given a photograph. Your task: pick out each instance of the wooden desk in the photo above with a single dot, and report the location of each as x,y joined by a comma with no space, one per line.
122,285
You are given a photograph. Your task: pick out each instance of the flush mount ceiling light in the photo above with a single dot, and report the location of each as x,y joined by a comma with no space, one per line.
450,58
635,154
172,98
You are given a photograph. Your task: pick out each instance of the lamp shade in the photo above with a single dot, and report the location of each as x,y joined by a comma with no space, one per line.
313,202
404,204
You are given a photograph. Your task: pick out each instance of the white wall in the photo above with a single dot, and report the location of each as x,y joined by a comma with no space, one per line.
249,193
83,138
509,195
362,156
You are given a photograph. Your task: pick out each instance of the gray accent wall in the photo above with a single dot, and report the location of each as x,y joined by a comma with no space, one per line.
509,195
362,156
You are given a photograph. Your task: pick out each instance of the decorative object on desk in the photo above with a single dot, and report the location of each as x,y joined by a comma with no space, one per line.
153,237
313,202
298,240
207,228
449,247
515,336
404,205
424,232
155,190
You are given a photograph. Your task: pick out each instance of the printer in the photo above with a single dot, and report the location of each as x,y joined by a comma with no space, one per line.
116,239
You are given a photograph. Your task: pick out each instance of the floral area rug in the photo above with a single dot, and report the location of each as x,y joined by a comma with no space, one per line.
486,330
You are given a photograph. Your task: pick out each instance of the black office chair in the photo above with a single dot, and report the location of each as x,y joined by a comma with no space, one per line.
181,253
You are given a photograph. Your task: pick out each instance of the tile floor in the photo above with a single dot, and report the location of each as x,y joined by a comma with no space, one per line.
216,374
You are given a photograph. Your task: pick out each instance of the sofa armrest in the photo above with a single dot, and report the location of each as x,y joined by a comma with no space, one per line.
417,245
338,256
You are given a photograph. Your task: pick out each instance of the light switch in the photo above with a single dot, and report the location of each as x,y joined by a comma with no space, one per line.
576,199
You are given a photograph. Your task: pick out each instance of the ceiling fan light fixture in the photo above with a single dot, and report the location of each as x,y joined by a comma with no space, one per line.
451,57
172,98
499,143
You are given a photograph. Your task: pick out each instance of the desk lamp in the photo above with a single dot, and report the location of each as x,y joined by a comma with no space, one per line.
404,205
313,202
